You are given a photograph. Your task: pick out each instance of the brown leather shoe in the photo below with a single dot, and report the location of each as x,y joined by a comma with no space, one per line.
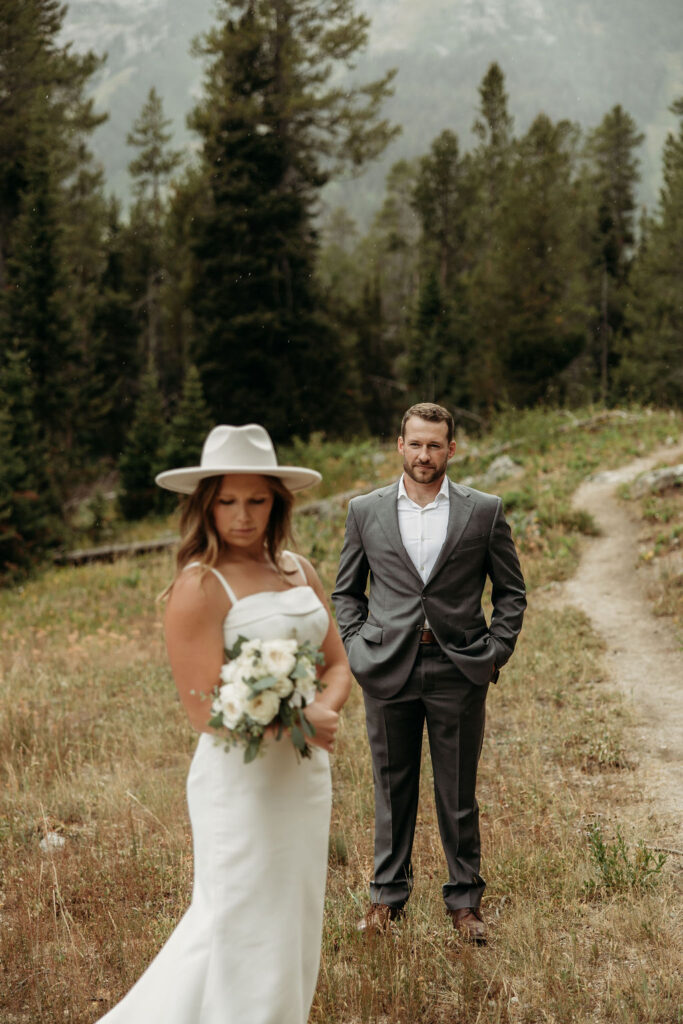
378,919
469,922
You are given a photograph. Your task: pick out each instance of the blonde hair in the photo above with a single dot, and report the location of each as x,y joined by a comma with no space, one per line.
200,540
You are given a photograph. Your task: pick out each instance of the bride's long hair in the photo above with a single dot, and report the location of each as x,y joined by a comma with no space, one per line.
201,542
199,538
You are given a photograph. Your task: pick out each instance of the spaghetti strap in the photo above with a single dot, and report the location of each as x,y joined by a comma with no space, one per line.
297,562
219,575
226,586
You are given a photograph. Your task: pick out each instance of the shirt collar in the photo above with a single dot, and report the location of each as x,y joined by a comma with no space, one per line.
442,495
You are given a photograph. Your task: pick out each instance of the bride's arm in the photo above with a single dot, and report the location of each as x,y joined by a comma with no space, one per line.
193,624
335,674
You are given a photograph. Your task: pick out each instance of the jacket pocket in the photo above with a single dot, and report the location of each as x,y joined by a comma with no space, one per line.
369,631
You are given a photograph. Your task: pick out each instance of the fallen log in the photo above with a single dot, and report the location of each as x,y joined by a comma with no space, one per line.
110,552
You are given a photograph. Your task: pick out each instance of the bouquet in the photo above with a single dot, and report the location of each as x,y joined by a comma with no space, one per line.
266,682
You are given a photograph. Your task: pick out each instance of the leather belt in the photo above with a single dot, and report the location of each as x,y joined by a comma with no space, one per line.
427,637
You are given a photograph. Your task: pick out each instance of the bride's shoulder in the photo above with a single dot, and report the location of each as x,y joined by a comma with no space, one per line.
292,563
307,572
196,588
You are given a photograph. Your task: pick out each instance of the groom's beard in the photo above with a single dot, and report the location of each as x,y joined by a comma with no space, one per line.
427,472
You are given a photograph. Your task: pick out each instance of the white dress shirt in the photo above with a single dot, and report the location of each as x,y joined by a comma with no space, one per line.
423,528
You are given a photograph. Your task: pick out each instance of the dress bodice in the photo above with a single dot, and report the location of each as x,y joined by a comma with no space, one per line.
294,613
276,615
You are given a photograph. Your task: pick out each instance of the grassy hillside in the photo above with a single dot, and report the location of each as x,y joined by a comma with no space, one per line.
94,749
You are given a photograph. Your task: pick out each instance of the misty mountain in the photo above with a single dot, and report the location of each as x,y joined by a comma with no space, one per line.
571,60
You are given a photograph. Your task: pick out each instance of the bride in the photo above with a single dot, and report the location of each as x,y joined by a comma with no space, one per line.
247,950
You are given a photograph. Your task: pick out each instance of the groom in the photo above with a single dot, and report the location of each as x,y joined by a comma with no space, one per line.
421,649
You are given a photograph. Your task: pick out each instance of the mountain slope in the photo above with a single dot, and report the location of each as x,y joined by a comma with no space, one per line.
571,60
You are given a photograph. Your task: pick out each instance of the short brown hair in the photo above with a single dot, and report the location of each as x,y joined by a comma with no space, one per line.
432,413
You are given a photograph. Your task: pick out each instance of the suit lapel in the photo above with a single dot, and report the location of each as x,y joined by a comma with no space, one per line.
460,507
387,514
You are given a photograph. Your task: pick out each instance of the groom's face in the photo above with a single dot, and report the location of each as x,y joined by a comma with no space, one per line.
425,450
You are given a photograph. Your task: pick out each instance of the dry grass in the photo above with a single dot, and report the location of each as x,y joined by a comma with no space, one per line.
556,954
94,748
660,549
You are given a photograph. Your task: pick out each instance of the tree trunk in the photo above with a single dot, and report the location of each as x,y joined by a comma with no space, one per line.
605,330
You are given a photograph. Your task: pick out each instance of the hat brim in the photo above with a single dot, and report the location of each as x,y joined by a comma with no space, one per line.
184,481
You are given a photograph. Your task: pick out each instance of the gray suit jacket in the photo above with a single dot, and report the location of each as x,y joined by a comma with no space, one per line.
381,631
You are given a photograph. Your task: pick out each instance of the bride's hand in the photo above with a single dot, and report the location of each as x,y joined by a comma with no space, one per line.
325,721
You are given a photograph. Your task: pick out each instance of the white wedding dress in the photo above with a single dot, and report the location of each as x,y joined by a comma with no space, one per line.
247,950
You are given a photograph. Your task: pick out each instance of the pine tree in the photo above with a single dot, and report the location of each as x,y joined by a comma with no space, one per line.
42,87
187,430
36,310
113,363
651,368
50,206
142,456
442,198
381,398
150,171
189,424
30,521
424,359
273,129
541,264
493,127
487,302
26,28
613,175
352,293
445,199
392,254
339,267
155,162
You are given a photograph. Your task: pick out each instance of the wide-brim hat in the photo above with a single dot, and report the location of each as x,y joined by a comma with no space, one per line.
247,449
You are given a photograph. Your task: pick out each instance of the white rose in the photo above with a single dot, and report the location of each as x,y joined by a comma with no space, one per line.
296,700
306,683
307,688
279,657
282,686
248,665
233,702
264,707
251,651
228,674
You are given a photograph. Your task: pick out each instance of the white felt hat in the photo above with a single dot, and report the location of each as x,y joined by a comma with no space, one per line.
247,449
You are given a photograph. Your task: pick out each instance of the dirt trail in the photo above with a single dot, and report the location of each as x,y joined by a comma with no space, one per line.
644,658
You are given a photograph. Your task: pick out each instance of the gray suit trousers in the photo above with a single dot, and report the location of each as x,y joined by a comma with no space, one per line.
454,710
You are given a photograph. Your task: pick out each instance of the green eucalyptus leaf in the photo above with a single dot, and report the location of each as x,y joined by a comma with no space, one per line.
286,714
235,650
265,683
307,727
252,749
298,738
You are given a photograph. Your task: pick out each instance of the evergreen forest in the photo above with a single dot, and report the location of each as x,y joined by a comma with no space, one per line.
517,272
